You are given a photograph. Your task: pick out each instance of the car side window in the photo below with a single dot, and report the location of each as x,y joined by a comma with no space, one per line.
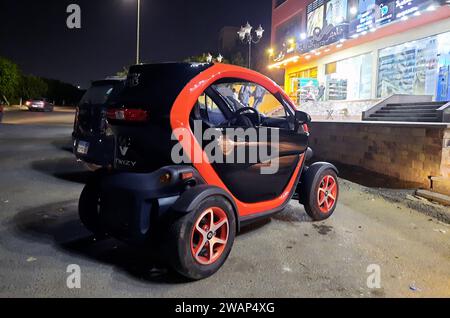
247,94
208,111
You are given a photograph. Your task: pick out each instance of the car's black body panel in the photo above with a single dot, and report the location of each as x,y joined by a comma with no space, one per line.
153,87
133,205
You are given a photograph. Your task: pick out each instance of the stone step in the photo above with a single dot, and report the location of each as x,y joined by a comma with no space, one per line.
441,185
411,107
405,119
405,114
401,111
435,104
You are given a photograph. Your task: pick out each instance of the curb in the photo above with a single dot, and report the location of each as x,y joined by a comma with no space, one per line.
433,196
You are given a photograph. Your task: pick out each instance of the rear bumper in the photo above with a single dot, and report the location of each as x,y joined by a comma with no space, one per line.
100,152
133,205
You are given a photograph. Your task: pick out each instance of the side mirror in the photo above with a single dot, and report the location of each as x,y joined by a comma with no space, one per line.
302,117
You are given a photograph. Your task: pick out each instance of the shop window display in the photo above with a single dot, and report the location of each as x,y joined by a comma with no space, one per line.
349,79
414,67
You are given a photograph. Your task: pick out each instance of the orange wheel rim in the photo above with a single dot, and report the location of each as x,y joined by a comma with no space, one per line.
327,194
209,236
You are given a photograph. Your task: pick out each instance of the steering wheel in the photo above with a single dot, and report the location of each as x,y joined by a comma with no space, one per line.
240,113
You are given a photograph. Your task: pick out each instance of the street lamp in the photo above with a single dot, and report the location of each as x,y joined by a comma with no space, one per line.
138,30
246,36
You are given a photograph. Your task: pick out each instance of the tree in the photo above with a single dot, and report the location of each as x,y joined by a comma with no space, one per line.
9,78
123,72
238,59
203,58
63,93
32,87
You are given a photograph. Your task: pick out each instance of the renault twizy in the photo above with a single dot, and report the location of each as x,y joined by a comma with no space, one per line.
191,208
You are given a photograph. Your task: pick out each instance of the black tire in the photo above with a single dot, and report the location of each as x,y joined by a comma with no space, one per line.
181,236
89,207
317,211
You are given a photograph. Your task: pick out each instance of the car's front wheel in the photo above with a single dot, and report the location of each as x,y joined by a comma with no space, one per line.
322,196
201,241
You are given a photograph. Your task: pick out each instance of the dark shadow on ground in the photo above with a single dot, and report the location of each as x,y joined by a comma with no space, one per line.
67,169
58,224
64,144
371,179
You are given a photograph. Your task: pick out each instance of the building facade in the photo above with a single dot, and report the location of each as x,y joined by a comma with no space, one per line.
360,51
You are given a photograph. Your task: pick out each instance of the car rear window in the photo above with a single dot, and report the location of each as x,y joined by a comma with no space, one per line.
155,87
98,94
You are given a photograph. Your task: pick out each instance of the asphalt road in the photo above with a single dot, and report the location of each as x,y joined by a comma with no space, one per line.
287,256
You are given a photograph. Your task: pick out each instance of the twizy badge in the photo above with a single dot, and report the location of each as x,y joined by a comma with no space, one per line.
123,150
124,145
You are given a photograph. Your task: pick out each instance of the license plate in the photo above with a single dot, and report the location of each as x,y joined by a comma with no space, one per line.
83,147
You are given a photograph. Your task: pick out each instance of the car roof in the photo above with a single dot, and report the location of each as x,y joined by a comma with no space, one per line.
176,68
107,81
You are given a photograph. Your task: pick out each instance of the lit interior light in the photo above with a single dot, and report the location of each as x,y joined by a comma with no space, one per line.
339,45
417,13
404,18
431,8
307,57
328,50
353,10
303,35
373,29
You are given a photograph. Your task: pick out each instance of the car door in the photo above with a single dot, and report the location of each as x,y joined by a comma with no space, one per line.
258,162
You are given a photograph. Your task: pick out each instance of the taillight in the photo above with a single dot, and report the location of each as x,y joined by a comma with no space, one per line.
27,103
131,114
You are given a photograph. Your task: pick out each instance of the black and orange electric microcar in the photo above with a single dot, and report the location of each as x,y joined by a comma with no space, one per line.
192,208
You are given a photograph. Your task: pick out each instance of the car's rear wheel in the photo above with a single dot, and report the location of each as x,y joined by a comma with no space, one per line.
89,207
322,196
201,241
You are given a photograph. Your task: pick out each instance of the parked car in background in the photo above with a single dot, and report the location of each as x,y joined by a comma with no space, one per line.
91,141
39,104
1,112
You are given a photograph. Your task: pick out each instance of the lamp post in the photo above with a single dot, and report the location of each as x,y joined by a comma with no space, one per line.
138,31
246,36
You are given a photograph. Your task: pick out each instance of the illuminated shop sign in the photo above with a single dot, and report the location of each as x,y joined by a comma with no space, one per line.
333,20
375,13
330,34
326,24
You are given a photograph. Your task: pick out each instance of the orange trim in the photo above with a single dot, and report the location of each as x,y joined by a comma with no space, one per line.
179,120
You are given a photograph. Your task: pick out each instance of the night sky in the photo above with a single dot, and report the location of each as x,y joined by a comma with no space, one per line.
34,33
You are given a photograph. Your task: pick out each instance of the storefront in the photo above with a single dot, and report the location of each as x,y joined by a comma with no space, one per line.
418,67
353,50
